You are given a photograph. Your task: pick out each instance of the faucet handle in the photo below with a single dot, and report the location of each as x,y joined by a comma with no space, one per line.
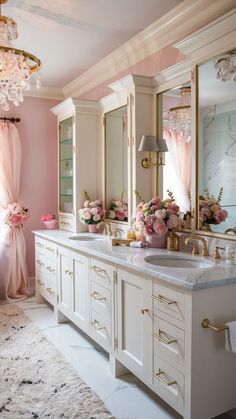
195,250
216,253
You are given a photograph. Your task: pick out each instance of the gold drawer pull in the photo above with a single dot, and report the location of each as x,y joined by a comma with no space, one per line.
96,297
39,262
64,223
99,270
39,244
50,249
163,300
95,324
50,269
50,291
40,282
167,342
144,310
166,383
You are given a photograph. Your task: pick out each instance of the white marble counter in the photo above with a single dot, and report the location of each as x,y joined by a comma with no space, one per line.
218,274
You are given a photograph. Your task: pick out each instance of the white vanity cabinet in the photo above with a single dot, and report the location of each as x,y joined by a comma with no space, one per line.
134,321
73,299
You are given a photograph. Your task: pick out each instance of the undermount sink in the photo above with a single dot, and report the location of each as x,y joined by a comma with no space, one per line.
85,238
181,262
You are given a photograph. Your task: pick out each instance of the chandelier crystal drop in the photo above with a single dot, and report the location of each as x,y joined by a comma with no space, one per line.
226,67
178,119
16,66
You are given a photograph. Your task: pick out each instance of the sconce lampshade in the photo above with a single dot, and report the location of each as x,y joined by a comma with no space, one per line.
148,143
162,146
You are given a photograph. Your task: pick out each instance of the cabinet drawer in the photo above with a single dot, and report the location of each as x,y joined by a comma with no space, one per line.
168,301
66,223
168,343
169,384
101,272
101,329
45,288
40,263
100,298
45,247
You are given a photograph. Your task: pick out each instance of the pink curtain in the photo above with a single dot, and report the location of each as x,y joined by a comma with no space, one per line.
13,271
180,158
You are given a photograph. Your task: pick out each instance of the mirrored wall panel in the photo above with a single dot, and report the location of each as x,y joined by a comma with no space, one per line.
175,111
217,143
116,170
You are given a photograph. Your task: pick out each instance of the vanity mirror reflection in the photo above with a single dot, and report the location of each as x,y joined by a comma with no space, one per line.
175,128
116,165
217,143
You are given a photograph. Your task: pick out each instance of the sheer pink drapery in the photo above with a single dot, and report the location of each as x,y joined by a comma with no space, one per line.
13,271
180,159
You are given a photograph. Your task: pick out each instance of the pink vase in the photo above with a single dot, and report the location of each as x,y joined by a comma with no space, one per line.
51,225
158,242
92,228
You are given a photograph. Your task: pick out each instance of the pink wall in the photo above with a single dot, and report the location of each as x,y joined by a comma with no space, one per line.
38,186
150,67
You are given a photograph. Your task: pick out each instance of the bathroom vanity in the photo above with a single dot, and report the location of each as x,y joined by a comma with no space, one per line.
147,316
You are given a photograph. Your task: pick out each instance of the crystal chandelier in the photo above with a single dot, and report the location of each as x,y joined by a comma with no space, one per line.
226,67
178,119
16,66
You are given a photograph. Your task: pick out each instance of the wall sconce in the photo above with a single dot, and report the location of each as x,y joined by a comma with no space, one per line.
150,143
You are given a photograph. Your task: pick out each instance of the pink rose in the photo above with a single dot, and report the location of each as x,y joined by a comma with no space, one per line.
120,215
215,208
173,208
161,214
220,215
156,201
49,217
16,219
172,222
160,227
140,216
43,218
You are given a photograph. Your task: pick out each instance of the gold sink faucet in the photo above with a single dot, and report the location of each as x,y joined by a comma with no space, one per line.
195,239
107,229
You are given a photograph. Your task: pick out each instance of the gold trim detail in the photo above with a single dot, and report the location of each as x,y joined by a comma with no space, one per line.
33,68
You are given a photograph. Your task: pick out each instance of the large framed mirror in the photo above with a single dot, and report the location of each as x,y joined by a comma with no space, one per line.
217,144
175,118
116,165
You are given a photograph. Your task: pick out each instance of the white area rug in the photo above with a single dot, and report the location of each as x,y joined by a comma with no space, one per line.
35,380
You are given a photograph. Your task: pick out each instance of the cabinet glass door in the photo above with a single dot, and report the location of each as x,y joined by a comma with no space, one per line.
66,169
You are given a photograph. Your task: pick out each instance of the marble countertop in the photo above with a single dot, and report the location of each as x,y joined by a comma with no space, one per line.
218,274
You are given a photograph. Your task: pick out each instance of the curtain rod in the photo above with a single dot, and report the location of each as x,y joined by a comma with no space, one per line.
10,119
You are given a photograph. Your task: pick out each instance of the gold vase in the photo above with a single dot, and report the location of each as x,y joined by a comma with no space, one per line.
173,242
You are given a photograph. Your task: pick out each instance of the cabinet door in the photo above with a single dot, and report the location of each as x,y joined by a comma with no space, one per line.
81,297
65,282
135,324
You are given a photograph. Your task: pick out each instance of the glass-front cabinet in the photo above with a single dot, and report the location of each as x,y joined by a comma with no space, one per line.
66,166
77,139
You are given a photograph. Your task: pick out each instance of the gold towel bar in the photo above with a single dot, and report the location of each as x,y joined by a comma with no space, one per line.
207,324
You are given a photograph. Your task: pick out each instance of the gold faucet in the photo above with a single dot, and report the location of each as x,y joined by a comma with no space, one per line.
107,228
195,239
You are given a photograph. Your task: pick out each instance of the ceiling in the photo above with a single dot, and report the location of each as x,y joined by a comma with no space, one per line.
70,36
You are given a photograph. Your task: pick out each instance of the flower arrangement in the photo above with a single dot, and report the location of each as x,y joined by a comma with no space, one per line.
48,217
157,216
210,211
93,212
16,215
118,209
49,221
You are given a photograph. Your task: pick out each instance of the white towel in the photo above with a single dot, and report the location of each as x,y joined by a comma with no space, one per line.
230,337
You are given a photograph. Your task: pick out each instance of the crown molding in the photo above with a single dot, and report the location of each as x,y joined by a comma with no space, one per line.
185,18
72,106
45,92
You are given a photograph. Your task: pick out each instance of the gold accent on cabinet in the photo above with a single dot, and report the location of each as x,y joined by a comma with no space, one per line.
166,383
167,342
163,300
